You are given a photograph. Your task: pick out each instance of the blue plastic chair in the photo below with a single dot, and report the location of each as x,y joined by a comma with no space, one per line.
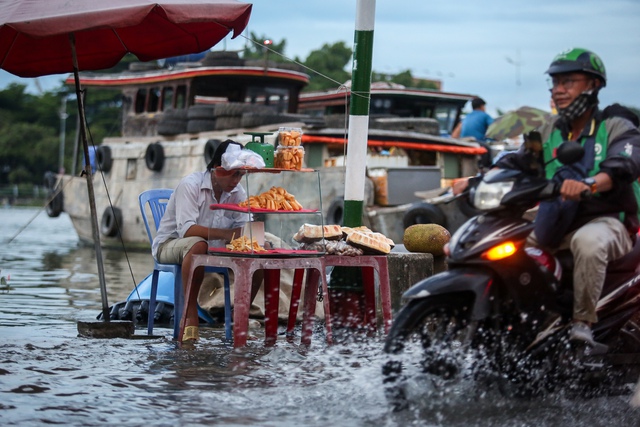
157,199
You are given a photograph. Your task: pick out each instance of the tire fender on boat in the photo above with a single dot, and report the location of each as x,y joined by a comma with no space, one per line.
111,221
104,158
335,213
154,157
56,202
424,213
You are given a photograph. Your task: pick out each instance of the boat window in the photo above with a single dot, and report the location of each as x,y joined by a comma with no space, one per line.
181,96
276,97
154,99
446,115
141,100
167,98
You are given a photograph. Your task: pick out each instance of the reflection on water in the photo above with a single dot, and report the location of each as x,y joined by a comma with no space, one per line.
50,376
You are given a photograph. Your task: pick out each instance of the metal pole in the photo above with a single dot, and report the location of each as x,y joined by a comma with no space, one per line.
88,173
63,121
359,114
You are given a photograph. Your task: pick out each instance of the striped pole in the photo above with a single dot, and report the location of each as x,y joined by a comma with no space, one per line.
359,114
346,284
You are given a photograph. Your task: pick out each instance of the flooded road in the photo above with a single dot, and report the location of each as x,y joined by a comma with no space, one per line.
48,375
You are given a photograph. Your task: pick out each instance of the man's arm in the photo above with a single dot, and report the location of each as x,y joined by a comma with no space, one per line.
226,234
456,131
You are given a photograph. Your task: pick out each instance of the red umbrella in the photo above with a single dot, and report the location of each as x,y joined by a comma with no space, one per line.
62,36
34,35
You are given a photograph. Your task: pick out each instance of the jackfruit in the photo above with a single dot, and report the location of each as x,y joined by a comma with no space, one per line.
427,238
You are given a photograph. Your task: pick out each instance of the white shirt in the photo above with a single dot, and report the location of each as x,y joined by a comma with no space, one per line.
190,205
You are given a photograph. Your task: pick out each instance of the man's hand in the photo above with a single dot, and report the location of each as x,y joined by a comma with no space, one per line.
459,185
231,234
572,189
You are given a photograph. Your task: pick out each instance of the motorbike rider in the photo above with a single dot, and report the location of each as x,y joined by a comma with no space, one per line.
600,228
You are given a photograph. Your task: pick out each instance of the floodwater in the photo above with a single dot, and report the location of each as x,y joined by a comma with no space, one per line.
49,375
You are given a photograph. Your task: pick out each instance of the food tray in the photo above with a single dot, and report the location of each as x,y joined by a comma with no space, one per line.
234,207
271,253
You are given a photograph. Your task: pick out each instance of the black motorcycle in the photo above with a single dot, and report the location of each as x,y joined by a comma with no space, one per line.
502,310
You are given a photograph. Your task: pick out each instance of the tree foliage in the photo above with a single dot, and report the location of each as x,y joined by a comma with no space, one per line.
329,62
258,49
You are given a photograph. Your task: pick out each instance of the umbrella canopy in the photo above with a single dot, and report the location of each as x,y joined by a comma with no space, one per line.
34,34
516,122
60,36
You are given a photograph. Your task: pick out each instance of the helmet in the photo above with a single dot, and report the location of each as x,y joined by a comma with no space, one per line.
578,59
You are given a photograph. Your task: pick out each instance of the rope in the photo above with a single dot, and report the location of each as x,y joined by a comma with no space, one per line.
118,225
340,85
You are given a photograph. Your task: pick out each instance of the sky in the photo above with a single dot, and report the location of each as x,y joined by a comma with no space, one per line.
496,49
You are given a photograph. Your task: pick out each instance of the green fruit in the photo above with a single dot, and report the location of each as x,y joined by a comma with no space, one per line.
427,238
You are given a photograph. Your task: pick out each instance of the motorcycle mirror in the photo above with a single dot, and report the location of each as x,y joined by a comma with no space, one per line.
570,152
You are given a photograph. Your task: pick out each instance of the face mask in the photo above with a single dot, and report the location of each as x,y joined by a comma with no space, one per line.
578,106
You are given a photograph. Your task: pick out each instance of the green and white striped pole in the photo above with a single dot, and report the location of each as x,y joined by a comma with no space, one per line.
346,282
359,114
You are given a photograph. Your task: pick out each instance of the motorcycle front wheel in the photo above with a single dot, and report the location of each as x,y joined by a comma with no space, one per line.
429,337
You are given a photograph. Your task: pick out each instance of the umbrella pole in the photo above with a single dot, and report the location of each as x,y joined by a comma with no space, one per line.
122,329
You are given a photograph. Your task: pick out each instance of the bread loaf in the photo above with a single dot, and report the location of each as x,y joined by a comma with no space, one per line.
311,233
368,243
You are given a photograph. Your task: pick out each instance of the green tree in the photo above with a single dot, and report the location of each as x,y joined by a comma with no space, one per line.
257,50
329,62
27,151
406,79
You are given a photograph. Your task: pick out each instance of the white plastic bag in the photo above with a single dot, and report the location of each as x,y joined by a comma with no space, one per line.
236,158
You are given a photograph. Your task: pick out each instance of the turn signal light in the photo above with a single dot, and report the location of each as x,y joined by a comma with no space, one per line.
500,251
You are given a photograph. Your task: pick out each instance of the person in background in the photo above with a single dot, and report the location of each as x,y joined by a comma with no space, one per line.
475,126
603,227
189,224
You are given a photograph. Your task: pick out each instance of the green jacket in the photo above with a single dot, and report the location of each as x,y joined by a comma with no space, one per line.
617,153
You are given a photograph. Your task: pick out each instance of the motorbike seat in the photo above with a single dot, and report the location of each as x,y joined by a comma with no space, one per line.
629,262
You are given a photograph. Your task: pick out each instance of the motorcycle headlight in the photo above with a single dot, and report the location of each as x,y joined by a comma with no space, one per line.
488,195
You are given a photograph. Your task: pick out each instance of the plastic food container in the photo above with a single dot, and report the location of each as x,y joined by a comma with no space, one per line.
290,137
289,157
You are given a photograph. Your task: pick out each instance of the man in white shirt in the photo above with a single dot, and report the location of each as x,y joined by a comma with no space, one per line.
189,225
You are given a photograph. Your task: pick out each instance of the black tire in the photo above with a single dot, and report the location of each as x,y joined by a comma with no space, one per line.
230,109
201,125
428,336
104,160
111,222
203,112
55,199
237,109
335,213
230,122
175,114
210,148
424,213
169,127
154,157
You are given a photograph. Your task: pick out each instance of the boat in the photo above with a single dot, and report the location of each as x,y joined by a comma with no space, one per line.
175,113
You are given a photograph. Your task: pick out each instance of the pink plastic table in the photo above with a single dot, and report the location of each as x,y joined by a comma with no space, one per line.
243,268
